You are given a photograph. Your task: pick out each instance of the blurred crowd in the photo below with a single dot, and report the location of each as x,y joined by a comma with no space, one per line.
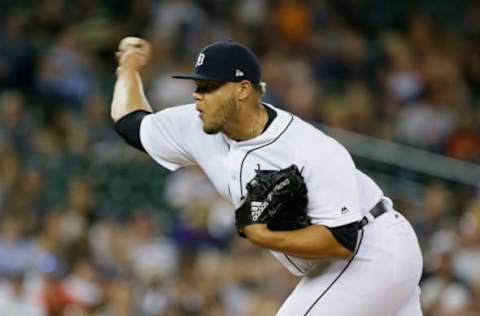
89,226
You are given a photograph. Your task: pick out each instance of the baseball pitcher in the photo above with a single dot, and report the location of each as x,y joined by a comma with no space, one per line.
296,191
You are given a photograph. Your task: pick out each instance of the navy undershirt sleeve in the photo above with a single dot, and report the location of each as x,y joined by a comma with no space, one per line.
129,128
346,235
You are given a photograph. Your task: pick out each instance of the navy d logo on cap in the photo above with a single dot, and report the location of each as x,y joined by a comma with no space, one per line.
225,61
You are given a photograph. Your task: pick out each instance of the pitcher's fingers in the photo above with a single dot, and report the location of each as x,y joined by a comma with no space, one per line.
132,42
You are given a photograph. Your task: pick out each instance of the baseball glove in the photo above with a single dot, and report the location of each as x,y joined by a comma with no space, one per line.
276,198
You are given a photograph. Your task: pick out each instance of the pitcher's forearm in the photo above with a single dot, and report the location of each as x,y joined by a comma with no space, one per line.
128,94
311,242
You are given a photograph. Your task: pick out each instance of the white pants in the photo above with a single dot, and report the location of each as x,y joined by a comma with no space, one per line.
381,280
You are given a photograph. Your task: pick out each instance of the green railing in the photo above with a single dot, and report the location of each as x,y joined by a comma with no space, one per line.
407,157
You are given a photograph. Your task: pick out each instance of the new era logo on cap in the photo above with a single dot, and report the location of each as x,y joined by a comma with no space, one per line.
226,61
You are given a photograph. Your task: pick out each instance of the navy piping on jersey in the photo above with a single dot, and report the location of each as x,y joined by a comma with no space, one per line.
252,150
338,277
293,264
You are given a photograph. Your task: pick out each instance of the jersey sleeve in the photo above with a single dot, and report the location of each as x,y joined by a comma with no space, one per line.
165,136
333,190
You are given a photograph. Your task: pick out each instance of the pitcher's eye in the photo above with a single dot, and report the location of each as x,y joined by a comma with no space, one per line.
209,86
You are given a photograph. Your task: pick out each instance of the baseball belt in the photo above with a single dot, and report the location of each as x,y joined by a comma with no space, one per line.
375,212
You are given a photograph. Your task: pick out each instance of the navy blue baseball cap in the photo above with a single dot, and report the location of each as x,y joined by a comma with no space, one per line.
225,61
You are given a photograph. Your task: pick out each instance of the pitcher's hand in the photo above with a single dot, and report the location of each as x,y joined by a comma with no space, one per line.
133,53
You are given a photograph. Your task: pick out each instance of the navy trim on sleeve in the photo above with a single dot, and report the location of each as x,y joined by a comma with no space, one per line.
129,128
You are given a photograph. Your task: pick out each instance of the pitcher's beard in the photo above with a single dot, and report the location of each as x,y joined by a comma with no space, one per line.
213,127
227,113
211,130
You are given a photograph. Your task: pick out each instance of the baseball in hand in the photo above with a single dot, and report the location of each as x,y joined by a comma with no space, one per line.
133,42
133,52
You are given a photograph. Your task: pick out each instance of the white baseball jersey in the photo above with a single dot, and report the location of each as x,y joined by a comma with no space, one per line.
338,193
381,278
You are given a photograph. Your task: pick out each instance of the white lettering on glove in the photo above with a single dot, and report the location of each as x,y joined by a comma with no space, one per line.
258,207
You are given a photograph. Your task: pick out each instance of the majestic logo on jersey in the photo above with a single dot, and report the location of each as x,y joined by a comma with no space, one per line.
344,210
200,59
239,73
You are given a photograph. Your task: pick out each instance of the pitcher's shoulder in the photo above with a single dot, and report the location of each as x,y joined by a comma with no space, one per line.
179,110
184,116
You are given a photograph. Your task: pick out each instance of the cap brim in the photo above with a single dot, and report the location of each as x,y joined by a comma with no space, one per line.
193,77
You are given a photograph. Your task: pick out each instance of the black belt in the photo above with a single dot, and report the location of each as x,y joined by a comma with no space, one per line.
376,211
